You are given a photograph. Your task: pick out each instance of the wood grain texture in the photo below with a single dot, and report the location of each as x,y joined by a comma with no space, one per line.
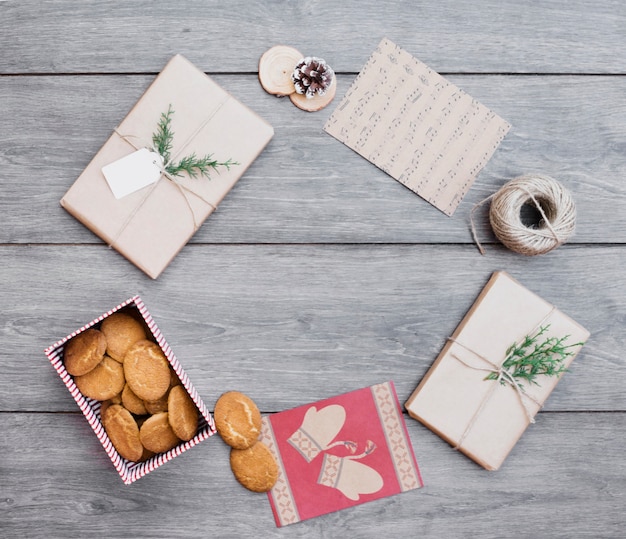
306,186
74,490
294,324
318,274
562,36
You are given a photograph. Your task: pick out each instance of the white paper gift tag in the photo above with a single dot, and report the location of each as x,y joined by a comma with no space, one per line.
133,172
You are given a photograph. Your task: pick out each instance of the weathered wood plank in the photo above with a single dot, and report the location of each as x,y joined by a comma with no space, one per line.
66,487
565,36
293,324
306,186
319,274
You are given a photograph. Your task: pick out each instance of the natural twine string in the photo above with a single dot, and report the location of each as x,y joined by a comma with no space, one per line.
552,200
164,174
502,375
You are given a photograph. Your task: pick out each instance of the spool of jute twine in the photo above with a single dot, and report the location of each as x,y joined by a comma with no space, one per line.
553,203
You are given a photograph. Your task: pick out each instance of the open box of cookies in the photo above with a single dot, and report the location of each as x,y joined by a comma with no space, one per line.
131,388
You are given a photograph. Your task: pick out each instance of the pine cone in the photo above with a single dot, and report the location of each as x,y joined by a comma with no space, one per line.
312,76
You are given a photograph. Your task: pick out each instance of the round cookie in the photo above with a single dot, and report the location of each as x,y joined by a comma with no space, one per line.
102,383
121,332
84,352
132,402
255,467
147,370
237,419
157,406
123,432
182,413
156,434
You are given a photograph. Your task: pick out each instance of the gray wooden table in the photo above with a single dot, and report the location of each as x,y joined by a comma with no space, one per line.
318,274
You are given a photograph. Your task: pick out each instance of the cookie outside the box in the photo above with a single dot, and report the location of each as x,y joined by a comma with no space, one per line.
255,467
237,419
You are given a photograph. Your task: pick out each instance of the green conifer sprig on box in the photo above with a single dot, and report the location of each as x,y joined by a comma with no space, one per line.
532,358
193,165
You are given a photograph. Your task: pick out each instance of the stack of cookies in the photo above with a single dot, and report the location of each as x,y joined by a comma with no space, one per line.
238,421
145,409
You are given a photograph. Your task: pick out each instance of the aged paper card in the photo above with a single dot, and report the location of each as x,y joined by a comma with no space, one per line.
416,126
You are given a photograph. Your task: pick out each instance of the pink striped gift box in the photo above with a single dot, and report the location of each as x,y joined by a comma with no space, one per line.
131,471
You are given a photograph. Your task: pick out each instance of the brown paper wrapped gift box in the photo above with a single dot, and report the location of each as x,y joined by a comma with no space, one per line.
150,226
483,418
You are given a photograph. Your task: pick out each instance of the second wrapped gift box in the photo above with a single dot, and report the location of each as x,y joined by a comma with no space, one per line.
467,397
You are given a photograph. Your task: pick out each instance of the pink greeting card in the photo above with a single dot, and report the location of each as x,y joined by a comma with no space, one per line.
338,453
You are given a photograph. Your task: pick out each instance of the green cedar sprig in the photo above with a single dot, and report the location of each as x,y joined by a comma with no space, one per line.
193,165
532,358
164,135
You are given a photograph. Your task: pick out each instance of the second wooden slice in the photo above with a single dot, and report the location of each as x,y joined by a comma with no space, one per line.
313,104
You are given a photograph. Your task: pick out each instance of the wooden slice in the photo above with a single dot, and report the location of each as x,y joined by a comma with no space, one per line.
275,69
313,104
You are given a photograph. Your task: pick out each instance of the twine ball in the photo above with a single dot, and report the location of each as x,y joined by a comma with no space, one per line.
553,202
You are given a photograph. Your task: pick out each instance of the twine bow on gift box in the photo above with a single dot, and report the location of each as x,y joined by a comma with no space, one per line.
520,363
192,165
